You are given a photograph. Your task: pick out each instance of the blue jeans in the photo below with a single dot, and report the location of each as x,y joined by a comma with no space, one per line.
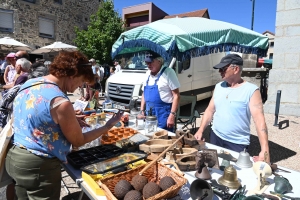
214,139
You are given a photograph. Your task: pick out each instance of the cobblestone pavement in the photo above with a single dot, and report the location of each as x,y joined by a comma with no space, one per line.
284,145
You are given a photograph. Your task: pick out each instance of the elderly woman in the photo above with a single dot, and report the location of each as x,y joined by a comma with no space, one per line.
45,127
161,92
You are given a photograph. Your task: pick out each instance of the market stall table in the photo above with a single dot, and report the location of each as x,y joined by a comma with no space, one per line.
246,176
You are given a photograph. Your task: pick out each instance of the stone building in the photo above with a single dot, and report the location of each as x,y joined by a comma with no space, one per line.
271,37
39,23
285,73
141,14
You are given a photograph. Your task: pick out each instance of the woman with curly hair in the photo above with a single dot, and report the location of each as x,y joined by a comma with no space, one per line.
45,127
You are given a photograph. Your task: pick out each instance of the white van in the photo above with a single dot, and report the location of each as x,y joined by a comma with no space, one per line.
196,76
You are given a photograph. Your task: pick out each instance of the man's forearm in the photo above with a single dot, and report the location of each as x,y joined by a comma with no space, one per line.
175,103
262,133
143,107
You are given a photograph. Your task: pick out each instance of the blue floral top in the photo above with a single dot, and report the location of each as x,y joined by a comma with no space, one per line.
33,126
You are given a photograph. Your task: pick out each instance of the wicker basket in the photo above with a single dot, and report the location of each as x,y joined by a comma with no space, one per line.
154,174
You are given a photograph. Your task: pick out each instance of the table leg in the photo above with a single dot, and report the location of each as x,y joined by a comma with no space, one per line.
80,195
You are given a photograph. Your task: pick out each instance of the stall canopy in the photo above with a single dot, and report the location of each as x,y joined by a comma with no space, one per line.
190,37
56,46
10,44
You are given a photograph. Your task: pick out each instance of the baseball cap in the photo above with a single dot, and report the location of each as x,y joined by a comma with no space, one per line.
10,55
92,60
150,57
229,59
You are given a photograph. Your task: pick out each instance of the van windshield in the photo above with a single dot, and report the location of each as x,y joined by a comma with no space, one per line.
135,61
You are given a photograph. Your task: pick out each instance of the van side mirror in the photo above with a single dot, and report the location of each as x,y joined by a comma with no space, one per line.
180,67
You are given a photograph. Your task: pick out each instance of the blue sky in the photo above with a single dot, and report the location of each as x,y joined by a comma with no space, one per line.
237,12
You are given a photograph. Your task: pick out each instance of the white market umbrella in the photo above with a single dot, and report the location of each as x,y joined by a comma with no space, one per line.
55,47
9,44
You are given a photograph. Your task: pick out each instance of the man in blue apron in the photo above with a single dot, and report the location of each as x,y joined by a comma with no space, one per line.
161,92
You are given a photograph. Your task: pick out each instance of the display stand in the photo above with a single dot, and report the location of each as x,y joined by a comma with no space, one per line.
246,176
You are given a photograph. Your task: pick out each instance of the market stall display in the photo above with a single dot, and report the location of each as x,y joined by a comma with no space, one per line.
196,163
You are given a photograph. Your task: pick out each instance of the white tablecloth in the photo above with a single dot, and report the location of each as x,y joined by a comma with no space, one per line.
246,176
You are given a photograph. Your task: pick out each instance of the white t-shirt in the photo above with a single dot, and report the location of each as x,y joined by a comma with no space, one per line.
118,68
167,82
95,69
100,73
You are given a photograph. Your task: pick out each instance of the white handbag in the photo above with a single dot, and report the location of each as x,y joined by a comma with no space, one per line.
5,137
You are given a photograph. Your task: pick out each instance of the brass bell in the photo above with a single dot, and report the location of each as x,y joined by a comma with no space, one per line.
282,185
244,160
229,178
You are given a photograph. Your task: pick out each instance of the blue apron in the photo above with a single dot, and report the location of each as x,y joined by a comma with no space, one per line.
159,108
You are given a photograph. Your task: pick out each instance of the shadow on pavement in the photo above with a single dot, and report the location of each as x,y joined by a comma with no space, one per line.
74,196
277,152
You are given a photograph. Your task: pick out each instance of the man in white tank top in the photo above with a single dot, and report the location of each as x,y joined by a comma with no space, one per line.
233,103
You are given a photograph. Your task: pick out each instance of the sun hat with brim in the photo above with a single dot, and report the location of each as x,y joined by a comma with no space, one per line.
229,59
10,55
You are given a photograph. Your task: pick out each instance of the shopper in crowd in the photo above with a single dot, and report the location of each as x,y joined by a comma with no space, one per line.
91,88
2,70
22,54
233,102
161,92
38,69
105,76
22,69
10,71
42,132
112,70
101,75
117,66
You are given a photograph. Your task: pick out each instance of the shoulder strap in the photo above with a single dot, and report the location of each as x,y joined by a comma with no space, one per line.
36,84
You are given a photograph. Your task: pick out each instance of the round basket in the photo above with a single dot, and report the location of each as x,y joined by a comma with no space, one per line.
154,173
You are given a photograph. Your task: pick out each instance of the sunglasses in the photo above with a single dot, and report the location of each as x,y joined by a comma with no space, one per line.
223,69
18,57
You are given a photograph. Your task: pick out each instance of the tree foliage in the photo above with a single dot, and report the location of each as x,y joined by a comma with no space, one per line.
104,29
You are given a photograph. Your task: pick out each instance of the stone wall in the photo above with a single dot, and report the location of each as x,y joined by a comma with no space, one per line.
66,16
285,74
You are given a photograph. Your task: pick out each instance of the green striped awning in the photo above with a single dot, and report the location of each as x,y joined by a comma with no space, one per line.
191,36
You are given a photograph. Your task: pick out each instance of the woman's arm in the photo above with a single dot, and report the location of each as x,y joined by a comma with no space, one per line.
5,74
64,115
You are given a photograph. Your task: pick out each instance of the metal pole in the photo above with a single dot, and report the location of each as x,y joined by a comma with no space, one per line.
253,6
277,107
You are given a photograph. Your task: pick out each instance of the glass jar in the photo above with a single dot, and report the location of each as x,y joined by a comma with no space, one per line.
132,117
140,121
150,125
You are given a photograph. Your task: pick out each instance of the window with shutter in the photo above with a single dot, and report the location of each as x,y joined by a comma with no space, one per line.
6,22
46,27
